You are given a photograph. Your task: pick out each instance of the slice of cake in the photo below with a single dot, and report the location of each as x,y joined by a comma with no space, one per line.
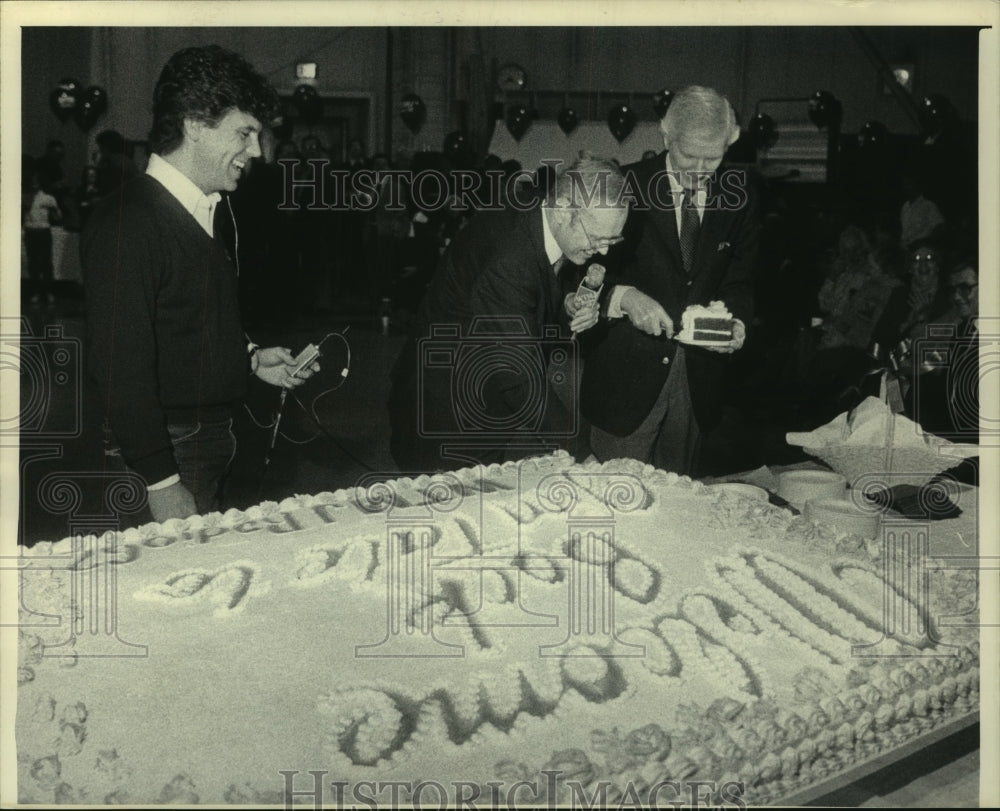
706,325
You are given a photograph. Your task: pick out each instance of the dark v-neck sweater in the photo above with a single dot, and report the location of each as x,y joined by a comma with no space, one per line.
165,342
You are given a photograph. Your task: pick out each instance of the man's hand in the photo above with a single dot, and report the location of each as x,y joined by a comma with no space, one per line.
276,364
739,336
174,501
646,314
581,316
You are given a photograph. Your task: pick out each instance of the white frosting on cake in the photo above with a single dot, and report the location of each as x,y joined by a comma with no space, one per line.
617,623
694,313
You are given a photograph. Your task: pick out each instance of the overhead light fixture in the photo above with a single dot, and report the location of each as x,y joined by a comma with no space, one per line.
305,70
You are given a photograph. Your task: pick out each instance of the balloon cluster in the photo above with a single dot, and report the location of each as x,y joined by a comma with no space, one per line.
70,100
308,103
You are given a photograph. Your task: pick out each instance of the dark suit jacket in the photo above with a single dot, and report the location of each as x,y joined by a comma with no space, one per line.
624,370
494,287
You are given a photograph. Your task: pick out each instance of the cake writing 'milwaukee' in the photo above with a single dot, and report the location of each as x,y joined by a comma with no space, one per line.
612,625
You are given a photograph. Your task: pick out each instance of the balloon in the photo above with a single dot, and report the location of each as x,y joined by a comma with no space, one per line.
935,113
308,102
568,120
412,111
763,131
661,101
456,148
824,109
64,98
518,120
92,106
621,121
873,135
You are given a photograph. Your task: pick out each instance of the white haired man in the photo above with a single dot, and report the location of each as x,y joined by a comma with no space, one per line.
691,238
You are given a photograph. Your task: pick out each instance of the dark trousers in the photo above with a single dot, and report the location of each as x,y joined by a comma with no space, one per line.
38,247
203,452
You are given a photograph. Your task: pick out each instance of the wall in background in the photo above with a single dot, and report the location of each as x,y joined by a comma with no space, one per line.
745,63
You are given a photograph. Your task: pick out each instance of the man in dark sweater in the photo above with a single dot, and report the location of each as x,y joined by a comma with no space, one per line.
165,344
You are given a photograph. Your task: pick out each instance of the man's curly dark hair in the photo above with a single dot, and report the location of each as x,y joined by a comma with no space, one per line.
204,83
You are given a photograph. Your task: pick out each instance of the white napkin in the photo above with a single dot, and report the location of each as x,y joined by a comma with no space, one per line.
872,424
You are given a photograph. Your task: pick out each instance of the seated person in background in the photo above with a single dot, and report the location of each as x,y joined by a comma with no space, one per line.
923,298
919,218
855,294
942,365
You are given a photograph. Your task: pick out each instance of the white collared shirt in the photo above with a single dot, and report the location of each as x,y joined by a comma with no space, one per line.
677,190
199,205
552,250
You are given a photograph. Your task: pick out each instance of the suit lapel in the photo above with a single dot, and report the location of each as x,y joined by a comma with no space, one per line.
662,219
713,226
546,279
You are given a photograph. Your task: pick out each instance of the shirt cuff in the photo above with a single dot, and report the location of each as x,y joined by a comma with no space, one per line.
165,483
615,300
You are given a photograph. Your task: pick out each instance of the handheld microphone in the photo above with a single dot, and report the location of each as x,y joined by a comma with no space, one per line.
590,288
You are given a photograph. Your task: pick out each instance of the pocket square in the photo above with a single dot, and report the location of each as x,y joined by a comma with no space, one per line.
722,246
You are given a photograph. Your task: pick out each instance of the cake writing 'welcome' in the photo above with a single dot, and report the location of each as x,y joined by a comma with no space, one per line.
528,632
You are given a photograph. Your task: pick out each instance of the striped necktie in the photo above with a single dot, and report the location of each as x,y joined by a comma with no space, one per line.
689,230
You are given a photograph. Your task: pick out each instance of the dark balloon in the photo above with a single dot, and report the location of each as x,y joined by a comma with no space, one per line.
412,111
621,121
763,131
568,120
661,102
518,121
308,103
91,106
824,109
935,113
873,135
456,149
64,99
